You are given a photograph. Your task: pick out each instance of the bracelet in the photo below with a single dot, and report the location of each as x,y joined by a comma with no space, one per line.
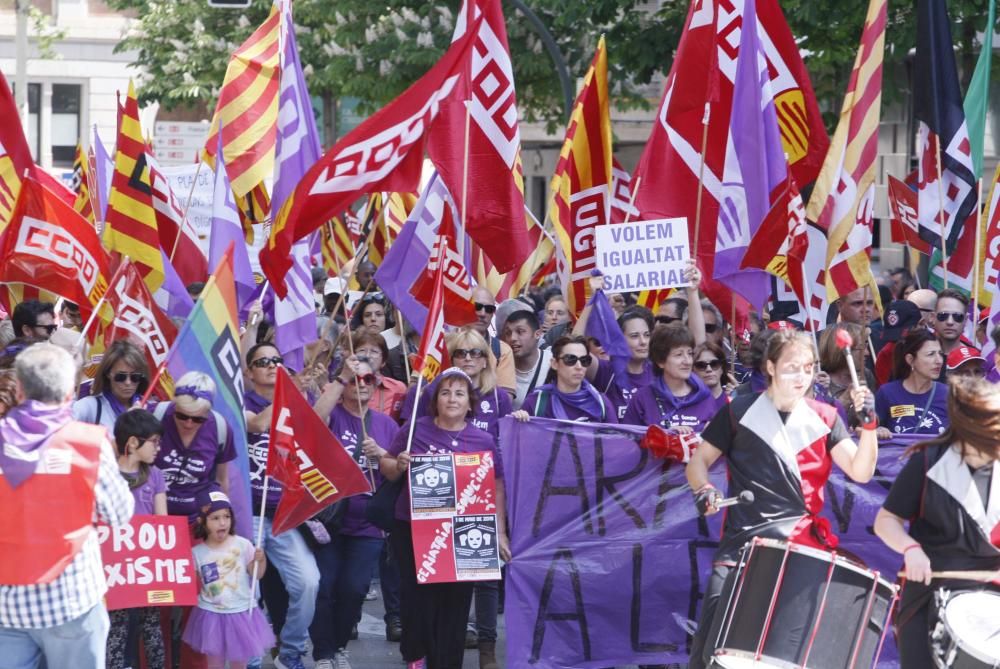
870,426
910,547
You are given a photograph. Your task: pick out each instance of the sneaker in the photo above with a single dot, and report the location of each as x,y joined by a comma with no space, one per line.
372,594
288,662
325,663
417,664
341,660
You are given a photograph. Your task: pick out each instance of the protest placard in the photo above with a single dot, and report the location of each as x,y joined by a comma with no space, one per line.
454,522
646,255
610,558
148,563
199,213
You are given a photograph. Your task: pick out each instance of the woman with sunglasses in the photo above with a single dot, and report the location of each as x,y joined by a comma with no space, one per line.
676,399
435,615
914,403
388,393
120,381
470,353
373,314
347,559
568,395
197,444
710,366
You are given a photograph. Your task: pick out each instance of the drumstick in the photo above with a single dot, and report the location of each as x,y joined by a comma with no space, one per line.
982,576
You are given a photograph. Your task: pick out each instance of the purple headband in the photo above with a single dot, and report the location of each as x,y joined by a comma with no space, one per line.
193,392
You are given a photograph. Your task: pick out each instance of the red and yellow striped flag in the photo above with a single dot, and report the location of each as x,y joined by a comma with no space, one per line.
842,201
248,109
254,208
397,209
581,187
511,284
130,229
338,250
651,299
81,185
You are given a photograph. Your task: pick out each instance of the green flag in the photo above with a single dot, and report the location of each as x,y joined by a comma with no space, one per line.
978,96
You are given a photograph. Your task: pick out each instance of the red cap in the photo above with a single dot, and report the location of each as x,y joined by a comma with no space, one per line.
962,355
984,314
780,325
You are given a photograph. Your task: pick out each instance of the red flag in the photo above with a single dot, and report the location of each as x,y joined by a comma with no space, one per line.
50,246
489,164
315,469
385,153
905,222
457,293
432,356
779,245
184,252
139,319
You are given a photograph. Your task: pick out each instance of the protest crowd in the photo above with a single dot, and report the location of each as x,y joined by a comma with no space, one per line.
642,440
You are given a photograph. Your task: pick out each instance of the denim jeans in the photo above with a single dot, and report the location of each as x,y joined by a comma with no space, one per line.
345,572
487,599
289,554
81,642
388,577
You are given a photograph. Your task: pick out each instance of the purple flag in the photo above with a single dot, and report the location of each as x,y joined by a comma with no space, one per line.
226,230
172,297
104,167
755,165
296,149
603,326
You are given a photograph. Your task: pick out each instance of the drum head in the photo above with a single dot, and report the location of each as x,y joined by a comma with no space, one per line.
974,619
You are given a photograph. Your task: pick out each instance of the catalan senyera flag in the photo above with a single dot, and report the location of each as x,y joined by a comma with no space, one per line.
15,156
397,209
581,186
131,228
209,342
506,285
248,108
81,185
337,247
843,199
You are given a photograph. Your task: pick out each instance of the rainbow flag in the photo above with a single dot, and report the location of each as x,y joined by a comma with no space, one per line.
209,342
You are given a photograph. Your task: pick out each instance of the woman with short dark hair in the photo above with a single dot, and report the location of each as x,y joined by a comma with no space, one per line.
915,403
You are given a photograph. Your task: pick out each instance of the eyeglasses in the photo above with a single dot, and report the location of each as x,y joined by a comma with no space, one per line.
125,377
474,353
368,379
705,365
189,419
154,440
570,360
488,308
956,316
48,328
710,328
261,363
667,320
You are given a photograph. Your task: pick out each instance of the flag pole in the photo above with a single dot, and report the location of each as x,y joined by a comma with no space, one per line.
187,206
701,178
364,410
260,538
100,303
942,221
732,339
413,412
460,238
978,270
808,306
402,343
631,199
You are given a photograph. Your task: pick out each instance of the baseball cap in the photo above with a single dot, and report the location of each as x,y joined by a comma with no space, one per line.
782,325
212,500
334,285
899,317
962,355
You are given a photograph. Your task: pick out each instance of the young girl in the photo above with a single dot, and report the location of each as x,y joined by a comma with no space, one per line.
226,625
137,435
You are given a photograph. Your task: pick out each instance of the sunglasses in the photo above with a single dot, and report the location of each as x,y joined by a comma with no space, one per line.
373,297
667,320
125,377
711,328
48,328
189,419
261,363
705,365
956,316
365,379
570,360
474,353
488,308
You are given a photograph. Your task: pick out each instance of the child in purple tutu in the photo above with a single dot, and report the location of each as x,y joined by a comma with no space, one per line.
226,625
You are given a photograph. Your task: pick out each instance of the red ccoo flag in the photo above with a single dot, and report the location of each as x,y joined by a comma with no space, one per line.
432,356
314,468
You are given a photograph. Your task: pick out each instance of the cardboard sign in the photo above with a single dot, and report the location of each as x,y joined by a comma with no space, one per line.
454,521
148,563
647,255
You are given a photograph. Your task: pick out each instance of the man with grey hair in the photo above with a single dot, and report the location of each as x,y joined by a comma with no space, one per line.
56,476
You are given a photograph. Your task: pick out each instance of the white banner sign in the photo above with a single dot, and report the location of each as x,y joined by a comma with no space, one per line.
646,255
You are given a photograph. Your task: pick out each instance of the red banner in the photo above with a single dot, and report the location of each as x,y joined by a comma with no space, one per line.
148,563
454,517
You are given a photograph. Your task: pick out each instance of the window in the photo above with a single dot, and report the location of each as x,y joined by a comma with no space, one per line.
65,123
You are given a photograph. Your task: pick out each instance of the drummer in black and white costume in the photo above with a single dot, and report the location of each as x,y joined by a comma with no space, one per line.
781,446
949,492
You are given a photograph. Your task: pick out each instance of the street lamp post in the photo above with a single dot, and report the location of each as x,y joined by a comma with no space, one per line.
565,81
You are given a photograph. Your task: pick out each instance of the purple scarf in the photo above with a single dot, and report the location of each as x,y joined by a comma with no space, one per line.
116,404
586,400
23,431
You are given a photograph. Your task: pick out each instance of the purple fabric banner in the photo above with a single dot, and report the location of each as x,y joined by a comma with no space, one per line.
610,559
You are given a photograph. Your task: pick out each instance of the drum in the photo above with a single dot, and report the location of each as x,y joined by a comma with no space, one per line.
967,632
796,606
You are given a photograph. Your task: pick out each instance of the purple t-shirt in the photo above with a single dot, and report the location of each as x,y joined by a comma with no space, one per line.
487,412
618,390
346,427
257,445
649,406
145,493
429,438
190,470
902,412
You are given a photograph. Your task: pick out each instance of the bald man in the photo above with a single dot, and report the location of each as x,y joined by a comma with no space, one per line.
926,301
